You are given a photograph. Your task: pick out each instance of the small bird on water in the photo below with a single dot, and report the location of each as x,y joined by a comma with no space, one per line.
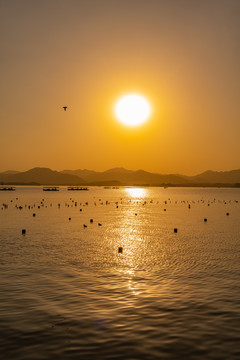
65,108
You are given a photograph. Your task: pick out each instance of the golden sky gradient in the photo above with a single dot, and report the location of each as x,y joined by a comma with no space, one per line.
182,55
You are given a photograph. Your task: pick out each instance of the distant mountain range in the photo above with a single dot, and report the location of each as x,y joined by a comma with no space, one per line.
40,176
117,177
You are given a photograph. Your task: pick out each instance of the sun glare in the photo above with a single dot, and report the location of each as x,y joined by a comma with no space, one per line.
136,192
132,110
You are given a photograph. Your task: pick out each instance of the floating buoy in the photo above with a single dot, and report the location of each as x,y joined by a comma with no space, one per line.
23,231
69,219
84,225
99,224
120,250
227,214
164,209
205,220
80,209
91,220
34,214
175,230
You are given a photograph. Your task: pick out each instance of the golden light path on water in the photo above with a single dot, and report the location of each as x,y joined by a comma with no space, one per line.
136,192
131,235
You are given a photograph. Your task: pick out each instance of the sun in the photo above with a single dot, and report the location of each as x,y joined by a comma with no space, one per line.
132,109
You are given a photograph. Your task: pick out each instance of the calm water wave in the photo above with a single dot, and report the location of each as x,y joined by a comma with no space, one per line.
67,293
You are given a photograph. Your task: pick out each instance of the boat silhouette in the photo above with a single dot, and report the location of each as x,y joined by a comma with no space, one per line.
11,188
76,188
50,188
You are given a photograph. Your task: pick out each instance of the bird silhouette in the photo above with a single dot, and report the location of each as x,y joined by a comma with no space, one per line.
65,108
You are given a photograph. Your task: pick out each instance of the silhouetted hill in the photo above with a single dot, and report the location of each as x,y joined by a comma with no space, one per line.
42,176
118,177
81,173
141,177
10,172
221,177
128,177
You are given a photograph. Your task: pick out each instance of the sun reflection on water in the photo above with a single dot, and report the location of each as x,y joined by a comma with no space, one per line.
133,285
130,238
136,192
131,282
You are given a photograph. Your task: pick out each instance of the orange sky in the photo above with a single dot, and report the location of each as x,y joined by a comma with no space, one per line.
183,55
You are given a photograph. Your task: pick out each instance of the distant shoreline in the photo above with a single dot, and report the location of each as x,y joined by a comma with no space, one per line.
200,185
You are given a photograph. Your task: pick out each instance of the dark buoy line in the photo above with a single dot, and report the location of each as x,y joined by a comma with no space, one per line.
120,250
175,230
23,231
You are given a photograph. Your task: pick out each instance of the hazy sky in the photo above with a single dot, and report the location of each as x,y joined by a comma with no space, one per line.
183,55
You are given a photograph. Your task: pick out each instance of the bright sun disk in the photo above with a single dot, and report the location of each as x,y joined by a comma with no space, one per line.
132,110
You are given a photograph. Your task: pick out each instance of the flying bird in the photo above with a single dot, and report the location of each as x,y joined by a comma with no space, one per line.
65,108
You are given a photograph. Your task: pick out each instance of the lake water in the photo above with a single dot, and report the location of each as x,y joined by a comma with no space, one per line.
67,293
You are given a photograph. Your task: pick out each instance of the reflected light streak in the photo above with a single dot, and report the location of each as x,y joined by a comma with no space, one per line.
136,192
132,284
130,238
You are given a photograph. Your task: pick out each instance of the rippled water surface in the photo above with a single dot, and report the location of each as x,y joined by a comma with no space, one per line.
66,292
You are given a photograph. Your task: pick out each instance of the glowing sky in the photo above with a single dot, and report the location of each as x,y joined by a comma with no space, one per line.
182,55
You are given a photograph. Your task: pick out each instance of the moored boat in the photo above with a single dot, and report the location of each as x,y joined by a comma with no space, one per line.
7,188
50,188
76,188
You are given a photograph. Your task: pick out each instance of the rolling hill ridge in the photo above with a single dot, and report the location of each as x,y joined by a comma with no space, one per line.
117,176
